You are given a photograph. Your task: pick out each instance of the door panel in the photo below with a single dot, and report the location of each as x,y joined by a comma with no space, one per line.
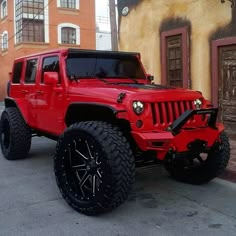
50,99
28,89
227,87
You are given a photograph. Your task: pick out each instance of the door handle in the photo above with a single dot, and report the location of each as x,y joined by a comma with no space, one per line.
39,92
24,91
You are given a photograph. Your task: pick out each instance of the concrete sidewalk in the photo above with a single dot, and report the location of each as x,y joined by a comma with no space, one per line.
31,204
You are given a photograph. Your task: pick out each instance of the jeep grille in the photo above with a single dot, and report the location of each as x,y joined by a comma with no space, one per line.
164,113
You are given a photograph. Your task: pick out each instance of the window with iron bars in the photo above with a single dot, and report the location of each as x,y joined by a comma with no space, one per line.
68,35
4,41
29,21
3,9
68,4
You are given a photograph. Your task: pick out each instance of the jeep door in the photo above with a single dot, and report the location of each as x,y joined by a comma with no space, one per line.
50,98
28,88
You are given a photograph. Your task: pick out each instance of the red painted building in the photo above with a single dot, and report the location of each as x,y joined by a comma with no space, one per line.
27,27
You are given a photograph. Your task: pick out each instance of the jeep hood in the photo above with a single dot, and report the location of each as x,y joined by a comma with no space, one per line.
143,92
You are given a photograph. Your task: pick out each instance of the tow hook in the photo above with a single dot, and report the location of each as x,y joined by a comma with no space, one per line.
197,146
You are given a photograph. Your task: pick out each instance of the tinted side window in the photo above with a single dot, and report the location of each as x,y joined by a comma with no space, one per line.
17,72
31,69
50,64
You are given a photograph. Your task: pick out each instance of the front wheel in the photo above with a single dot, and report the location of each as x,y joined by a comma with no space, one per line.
201,167
94,167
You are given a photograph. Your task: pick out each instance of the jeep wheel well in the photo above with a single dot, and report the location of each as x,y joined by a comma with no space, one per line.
86,112
10,103
94,112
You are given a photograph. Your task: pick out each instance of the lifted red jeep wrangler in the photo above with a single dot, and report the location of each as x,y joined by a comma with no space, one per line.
108,117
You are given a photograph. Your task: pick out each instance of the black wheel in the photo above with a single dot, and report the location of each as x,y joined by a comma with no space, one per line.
201,167
15,135
94,167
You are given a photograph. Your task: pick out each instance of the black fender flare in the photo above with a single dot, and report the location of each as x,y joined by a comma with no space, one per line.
10,102
82,106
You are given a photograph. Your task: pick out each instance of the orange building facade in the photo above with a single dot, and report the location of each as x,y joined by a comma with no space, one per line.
28,27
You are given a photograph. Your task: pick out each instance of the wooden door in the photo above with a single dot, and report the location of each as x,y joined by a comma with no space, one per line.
174,61
227,87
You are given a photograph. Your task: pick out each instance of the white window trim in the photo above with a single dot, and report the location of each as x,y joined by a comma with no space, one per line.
5,33
76,4
46,21
2,16
76,27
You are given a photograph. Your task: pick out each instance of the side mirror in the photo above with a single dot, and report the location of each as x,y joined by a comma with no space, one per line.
150,77
50,78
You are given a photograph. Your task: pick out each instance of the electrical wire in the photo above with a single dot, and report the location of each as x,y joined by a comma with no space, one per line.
39,13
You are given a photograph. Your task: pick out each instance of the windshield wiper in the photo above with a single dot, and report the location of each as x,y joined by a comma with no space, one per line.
78,77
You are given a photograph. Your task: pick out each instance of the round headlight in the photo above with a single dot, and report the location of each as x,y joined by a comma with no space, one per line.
138,107
198,103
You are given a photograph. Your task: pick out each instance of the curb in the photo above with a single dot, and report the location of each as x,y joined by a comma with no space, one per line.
229,175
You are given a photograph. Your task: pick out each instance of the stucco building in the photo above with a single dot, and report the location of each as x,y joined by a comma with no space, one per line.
186,43
30,26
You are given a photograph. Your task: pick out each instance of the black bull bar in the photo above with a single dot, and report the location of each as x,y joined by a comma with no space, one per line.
181,121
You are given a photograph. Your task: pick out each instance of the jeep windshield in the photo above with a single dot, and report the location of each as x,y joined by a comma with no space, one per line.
79,66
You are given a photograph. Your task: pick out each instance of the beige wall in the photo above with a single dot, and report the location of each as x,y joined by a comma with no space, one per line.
139,31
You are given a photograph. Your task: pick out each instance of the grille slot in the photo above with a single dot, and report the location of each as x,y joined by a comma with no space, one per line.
164,113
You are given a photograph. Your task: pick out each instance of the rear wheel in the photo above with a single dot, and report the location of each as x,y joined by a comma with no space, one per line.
15,135
94,167
201,167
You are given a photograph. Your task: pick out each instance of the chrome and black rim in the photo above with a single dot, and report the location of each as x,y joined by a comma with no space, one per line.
5,134
83,168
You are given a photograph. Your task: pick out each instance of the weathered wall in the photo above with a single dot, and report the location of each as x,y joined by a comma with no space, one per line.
140,31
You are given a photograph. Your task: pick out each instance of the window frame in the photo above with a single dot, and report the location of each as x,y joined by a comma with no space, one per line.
174,60
26,68
183,31
69,25
30,33
68,34
77,5
2,12
18,81
43,59
27,14
4,34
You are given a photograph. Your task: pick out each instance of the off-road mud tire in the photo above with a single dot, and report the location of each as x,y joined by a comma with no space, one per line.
115,157
212,167
17,145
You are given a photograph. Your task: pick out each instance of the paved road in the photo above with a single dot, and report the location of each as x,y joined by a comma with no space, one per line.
30,203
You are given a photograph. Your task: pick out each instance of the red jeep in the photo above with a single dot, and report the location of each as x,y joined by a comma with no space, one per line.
108,117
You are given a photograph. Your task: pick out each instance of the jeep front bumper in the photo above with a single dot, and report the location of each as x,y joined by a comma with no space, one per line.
177,138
